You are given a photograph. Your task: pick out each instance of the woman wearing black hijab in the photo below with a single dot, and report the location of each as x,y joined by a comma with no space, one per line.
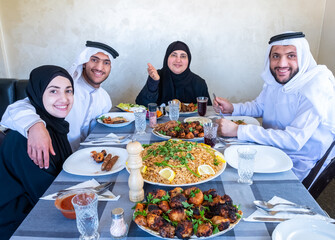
50,91
175,80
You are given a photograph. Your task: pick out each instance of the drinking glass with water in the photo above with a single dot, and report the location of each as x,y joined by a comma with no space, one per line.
174,110
140,120
246,164
85,204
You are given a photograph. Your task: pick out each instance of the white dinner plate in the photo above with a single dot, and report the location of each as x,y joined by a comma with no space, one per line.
162,136
304,229
268,159
184,113
246,119
202,120
81,162
129,116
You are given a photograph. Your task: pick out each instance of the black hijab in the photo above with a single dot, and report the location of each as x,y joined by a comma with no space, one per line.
179,86
57,127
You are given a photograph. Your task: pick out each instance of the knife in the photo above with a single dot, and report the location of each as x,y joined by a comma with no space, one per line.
267,219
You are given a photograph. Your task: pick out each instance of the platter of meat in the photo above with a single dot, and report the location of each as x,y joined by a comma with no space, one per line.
186,213
96,161
186,109
193,131
116,119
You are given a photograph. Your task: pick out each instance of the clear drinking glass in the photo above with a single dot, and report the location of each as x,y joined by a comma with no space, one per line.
210,133
202,105
86,206
140,120
173,110
246,164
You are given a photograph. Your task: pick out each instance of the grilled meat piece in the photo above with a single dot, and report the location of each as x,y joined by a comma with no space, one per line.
177,214
154,209
223,223
139,207
184,229
177,200
154,221
167,230
204,230
141,220
175,191
164,205
194,195
211,192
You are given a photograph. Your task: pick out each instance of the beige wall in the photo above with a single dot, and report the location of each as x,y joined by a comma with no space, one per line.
227,38
327,43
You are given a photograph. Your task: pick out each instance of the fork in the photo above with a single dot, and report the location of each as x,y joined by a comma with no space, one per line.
272,212
221,114
108,138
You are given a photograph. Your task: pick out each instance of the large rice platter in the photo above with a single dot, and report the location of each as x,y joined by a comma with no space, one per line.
177,162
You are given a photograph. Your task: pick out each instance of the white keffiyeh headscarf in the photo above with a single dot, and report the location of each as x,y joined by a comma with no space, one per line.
315,82
77,67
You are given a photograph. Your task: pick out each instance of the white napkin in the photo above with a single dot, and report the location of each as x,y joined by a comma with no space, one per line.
89,183
275,199
105,143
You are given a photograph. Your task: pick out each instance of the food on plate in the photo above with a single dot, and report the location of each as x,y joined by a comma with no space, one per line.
177,129
177,162
107,160
115,120
186,212
188,107
129,107
239,122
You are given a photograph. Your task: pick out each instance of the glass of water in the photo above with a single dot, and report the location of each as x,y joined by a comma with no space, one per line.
85,204
174,110
246,164
140,120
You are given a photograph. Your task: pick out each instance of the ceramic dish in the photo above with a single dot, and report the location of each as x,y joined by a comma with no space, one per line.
202,120
129,116
81,162
162,136
184,113
246,119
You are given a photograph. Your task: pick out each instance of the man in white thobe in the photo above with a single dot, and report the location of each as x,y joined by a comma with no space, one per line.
296,104
91,68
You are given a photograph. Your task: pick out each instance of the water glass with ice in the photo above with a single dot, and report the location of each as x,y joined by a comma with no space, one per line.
85,204
246,164
174,110
140,120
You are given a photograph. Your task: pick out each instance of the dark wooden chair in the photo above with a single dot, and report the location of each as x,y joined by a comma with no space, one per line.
315,188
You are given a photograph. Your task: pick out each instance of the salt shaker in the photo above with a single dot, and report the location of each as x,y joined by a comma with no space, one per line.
135,181
119,228
152,114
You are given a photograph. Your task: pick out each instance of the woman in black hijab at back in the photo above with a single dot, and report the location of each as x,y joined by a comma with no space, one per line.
50,91
175,80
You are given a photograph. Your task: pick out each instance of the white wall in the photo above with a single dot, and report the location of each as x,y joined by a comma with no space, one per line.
227,38
327,43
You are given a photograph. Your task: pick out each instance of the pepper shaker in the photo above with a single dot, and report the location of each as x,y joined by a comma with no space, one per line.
135,181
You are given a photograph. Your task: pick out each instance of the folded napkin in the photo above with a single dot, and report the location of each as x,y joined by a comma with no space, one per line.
105,143
275,199
89,183
104,138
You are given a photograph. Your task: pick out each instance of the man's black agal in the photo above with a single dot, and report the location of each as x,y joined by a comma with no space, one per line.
286,36
103,46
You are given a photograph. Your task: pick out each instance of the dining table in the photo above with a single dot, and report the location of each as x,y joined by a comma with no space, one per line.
45,221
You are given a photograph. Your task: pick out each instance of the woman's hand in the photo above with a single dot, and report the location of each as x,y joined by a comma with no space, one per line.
227,128
222,104
153,72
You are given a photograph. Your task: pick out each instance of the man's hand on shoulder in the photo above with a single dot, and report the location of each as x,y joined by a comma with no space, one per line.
39,145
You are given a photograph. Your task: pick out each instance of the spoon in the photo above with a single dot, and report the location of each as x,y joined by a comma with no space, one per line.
267,205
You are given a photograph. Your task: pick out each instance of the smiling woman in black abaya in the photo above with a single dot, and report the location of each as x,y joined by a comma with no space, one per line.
174,81
50,91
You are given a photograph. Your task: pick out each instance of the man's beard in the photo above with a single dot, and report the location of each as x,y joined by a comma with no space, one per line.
290,77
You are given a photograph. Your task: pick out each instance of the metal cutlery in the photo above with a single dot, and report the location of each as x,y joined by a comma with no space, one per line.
273,212
269,219
108,138
98,189
264,204
106,141
221,114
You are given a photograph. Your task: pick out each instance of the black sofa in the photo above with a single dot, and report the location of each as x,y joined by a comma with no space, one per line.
11,89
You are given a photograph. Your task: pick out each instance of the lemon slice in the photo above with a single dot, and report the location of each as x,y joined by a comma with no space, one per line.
167,173
144,168
205,145
205,169
220,157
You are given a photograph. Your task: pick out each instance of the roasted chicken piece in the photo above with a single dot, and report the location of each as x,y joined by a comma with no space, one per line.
176,201
223,223
177,214
154,209
164,205
211,192
139,207
175,191
167,230
204,230
194,195
154,221
184,229
141,220
158,193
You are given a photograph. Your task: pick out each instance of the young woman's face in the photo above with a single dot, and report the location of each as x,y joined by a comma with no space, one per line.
178,61
58,97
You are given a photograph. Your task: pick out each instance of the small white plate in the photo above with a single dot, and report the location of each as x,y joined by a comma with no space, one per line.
268,159
304,229
81,162
246,119
202,120
129,116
